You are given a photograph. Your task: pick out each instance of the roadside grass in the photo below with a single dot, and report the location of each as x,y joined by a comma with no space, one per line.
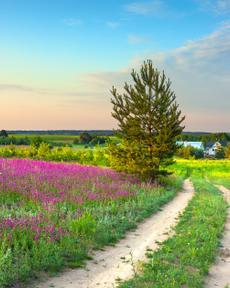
184,259
115,219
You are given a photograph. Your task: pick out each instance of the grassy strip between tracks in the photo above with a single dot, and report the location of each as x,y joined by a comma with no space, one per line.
184,259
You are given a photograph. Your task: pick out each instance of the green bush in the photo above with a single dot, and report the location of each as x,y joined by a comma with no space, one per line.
190,152
66,154
227,152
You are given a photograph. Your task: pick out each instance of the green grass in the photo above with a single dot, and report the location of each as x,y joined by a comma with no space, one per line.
217,171
102,224
184,259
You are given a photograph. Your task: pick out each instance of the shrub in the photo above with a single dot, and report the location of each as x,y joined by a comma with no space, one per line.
190,152
36,141
220,153
3,133
227,152
85,138
97,141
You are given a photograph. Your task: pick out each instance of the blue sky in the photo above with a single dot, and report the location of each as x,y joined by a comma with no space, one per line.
60,58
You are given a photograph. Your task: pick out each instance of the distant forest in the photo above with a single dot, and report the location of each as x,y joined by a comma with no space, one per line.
204,137
62,132
189,136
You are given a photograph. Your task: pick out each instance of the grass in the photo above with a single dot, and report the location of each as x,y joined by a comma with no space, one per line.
217,171
184,259
35,244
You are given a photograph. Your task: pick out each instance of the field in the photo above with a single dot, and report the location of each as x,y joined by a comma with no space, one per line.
54,214
216,171
57,140
64,139
185,259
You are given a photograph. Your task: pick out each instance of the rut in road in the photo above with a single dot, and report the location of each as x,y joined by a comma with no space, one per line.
219,274
119,262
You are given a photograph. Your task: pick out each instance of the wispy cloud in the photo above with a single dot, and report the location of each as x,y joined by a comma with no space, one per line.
145,8
22,88
215,6
136,39
72,21
200,73
112,24
14,87
204,51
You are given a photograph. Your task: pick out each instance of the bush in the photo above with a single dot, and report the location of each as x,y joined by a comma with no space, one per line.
85,138
198,153
227,152
59,154
220,153
43,151
14,141
36,141
3,133
190,152
97,141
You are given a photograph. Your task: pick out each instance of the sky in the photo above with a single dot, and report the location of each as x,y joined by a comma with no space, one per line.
60,58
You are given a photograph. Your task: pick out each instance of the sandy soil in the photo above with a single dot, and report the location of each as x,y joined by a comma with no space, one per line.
121,261
219,274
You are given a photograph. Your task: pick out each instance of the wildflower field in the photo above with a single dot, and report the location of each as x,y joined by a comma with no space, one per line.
53,214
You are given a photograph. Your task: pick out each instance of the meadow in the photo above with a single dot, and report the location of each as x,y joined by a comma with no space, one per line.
215,171
64,139
185,259
54,214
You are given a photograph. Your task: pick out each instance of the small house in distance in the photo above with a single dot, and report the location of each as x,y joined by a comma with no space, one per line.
194,144
212,147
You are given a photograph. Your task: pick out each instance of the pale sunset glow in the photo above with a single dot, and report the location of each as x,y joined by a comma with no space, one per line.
59,59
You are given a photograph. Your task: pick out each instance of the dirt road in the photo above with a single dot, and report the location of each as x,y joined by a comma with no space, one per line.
120,262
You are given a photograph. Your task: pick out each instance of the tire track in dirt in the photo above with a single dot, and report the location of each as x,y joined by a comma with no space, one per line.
219,274
121,261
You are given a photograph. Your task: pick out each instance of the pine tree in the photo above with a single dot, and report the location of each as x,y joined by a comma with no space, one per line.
149,121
